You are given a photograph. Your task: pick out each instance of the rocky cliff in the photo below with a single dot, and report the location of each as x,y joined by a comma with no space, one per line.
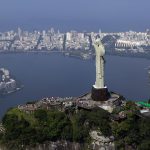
99,142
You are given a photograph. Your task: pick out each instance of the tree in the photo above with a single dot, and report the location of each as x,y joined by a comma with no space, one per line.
9,121
145,145
41,115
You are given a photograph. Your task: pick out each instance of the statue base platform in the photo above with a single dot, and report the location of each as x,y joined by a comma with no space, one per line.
100,94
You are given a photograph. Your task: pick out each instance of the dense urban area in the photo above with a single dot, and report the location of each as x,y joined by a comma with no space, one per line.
75,43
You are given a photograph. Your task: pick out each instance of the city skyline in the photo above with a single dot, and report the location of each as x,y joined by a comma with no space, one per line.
71,40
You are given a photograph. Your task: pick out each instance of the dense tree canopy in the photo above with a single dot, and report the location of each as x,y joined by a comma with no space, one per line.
43,125
134,131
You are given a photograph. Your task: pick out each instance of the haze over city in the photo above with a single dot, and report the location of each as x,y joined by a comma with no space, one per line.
109,15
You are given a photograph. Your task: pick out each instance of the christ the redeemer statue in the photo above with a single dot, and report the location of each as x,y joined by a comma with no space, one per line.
99,90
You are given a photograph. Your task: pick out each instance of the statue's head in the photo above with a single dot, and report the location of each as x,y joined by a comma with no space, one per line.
99,47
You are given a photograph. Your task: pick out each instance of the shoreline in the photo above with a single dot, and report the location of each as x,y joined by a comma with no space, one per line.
11,92
80,55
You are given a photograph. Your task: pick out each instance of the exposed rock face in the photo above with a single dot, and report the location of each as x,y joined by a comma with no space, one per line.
59,145
100,142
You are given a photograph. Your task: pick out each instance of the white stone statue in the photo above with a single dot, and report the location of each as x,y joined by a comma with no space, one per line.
100,52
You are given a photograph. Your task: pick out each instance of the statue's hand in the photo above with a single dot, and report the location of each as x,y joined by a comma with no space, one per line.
99,47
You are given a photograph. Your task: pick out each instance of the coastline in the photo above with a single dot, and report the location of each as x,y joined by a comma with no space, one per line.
80,55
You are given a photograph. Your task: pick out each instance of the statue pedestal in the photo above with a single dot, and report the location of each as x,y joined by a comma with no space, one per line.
101,94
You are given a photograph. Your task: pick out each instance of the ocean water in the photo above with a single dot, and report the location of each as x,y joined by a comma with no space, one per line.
46,75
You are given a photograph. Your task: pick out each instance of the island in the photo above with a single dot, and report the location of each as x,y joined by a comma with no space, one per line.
7,83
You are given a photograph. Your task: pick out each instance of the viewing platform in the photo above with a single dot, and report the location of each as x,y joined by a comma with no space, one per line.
86,102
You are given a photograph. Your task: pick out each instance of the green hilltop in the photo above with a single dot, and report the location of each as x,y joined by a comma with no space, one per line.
23,129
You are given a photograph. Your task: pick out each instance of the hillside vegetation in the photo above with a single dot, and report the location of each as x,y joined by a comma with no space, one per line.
22,129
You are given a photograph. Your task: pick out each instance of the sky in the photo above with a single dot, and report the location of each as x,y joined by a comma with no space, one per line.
89,15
